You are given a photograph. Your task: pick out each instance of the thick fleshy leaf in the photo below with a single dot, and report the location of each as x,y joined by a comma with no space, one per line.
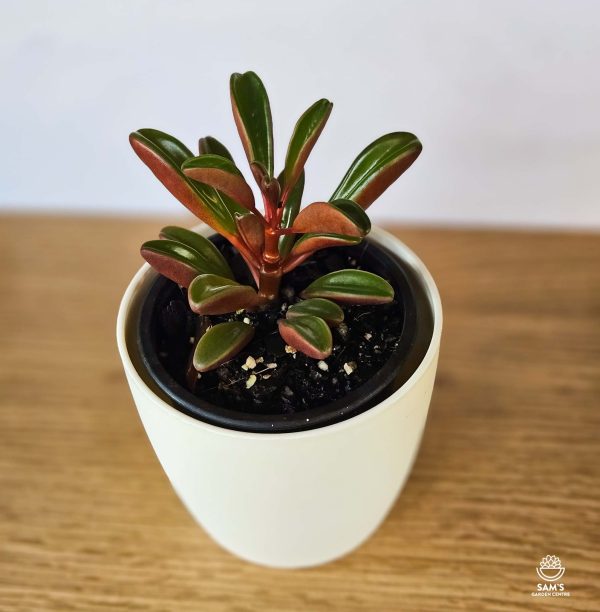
289,214
175,260
211,146
222,174
213,261
220,344
307,243
377,167
168,146
308,334
325,217
252,114
209,294
306,132
352,287
329,311
260,174
270,187
164,155
221,206
253,232
355,213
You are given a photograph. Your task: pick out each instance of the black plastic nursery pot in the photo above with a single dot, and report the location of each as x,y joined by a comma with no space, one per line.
168,330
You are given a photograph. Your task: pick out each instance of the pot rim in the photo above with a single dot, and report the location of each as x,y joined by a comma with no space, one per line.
383,238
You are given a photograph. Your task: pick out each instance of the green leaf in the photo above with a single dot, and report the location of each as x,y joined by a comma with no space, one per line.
308,243
252,114
329,311
222,174
220,344
308,334
167,145
290,212
213,261
306,132
351,286
164,155
347,218
209,294
210,145
377,167
175,260
221,206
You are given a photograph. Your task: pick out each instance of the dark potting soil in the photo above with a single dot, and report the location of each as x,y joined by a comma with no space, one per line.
265,378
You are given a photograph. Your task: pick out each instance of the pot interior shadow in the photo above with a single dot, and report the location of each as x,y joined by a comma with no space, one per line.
413,309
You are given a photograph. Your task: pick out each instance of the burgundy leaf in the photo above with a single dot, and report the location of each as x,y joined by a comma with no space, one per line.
322,217
252,231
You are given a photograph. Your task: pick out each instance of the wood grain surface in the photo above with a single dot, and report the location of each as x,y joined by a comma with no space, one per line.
508,471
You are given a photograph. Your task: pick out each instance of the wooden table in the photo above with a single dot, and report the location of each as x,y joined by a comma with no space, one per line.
508,471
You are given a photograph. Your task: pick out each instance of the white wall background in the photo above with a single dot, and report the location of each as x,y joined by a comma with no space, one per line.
504,94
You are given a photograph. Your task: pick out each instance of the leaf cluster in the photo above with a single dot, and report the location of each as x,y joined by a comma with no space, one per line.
278,238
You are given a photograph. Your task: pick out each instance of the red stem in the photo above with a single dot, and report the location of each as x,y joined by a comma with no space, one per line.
270,271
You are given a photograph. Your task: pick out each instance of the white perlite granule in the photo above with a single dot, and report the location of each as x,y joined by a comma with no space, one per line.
349,367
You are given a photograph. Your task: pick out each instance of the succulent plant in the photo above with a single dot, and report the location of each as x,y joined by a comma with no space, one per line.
276,240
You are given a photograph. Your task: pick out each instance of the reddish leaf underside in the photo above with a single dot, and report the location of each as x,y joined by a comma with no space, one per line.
176,184
177,271
313,242
322,217
374,188
307,244
233,185
252,231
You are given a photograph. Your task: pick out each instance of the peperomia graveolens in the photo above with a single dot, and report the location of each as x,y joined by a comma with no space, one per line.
272,241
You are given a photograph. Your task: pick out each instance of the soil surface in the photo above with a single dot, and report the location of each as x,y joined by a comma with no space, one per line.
267,377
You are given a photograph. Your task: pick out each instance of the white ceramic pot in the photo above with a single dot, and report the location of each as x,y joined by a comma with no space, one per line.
287,500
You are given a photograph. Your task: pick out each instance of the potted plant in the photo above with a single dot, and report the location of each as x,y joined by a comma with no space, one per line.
282,366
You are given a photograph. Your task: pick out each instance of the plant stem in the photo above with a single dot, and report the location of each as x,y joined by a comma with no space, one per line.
270,270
